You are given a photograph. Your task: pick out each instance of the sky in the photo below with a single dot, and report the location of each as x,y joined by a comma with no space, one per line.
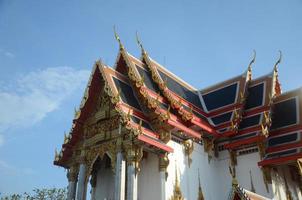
48,48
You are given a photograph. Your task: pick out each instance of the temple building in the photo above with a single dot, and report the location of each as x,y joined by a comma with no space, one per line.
142,133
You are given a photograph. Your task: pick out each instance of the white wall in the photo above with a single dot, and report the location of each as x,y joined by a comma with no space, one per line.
279,184
215,177
105,183
149,178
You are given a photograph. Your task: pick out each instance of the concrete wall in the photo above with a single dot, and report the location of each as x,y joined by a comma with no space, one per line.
149,178
214,175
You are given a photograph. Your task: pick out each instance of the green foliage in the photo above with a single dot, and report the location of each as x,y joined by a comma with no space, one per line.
40,194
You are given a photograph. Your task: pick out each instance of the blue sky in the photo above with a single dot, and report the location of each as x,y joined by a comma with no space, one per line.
47,49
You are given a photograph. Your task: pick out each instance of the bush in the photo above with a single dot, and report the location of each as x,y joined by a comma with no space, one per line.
40,194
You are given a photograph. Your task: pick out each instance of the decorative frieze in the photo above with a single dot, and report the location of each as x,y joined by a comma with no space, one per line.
102,127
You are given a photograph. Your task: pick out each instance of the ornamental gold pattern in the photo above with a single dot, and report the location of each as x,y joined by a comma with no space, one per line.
177,194
102,126
93,153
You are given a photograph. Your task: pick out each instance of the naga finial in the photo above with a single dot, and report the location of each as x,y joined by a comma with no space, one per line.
139,43
278,62
249,69
118,38
252,61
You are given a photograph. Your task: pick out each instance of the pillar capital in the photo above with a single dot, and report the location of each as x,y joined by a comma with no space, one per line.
163,162
134,154
72,174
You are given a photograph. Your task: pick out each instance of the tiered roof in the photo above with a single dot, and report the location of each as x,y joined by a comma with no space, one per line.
237,113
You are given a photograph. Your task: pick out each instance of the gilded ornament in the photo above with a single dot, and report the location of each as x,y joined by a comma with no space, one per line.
134,155
267,118
163,162
57,156
177,194
165,136
93,153
118,38
264,130
188,147
72,174
249,69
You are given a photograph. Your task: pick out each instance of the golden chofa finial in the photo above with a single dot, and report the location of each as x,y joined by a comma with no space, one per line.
57,157
118,38
249,69
278,62
140,44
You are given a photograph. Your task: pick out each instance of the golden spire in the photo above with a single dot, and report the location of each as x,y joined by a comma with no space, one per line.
249,69
118,39
200,194
177,195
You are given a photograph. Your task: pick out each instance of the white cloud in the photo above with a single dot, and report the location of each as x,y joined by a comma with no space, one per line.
12,170
7,53
36,94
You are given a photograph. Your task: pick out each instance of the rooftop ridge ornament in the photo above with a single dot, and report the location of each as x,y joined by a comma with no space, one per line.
277,85
278,62
118,39
249,68
140,44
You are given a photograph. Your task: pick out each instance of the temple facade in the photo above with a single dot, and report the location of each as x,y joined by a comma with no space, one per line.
142,133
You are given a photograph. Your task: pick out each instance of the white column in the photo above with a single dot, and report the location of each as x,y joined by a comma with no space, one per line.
163,164
131,182
72,176
162,185
71,190
120,172
81,193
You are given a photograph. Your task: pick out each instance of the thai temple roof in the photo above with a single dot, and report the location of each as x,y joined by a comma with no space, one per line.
240,112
